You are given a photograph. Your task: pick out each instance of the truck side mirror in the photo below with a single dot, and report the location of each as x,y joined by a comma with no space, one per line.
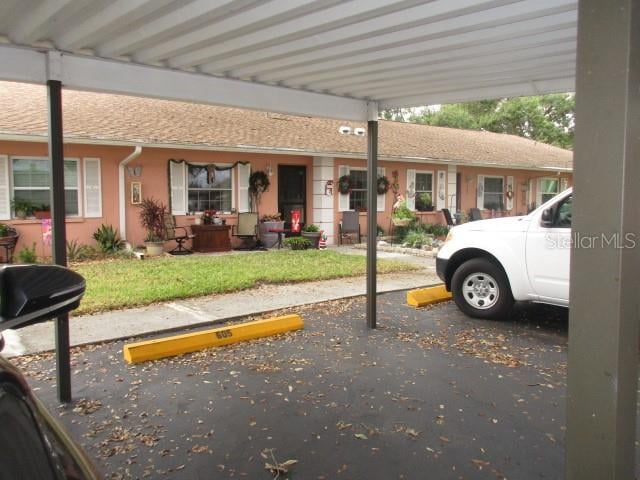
546,219
34,293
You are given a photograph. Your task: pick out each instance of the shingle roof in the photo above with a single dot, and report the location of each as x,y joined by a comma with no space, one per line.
117,118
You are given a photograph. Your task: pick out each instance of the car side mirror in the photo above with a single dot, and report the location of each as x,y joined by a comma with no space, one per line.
546,220
33,293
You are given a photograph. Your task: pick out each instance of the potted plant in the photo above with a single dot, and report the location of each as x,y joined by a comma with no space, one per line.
424,202
42,211
402,216
267,223
22,208
312,233
4,230
152,214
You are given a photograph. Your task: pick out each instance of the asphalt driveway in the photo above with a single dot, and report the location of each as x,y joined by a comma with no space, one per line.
430,394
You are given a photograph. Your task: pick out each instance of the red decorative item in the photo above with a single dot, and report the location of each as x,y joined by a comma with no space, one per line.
295,221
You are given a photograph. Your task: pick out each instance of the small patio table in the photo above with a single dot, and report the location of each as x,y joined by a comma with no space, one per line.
281,233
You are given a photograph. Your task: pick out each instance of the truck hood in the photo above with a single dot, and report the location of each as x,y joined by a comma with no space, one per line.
504,224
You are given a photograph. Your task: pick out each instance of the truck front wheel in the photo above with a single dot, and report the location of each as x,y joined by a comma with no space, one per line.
481,289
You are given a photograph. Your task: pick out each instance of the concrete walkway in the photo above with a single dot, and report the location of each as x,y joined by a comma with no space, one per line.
213,309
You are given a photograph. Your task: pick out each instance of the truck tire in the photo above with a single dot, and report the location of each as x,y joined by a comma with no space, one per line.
481,289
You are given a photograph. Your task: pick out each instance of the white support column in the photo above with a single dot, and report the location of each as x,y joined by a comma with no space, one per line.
323,211
451,188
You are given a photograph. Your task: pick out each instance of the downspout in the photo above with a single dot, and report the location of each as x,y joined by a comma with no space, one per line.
121,189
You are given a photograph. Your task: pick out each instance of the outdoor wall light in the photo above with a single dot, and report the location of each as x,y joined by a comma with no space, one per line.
135,171
328,188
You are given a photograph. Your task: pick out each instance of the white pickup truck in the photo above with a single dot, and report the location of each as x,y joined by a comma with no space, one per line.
489,264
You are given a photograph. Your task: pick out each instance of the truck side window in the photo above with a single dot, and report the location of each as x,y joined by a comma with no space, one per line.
563,217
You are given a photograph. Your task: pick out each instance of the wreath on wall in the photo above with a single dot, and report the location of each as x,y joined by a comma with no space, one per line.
258,182
345,184
509,194
383,185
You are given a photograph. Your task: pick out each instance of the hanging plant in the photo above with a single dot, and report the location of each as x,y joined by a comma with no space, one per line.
383,185
345,184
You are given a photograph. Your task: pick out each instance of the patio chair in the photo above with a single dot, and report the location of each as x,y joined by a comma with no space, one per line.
447,216
177,234
246,229
350,225
8,242
474,214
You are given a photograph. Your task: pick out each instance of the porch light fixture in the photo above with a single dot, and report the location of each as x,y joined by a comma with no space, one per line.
135,171
269,170
328,188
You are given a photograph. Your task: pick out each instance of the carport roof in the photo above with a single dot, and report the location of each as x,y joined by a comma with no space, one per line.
324,58
123,119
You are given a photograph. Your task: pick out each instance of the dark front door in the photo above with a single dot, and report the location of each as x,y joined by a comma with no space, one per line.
292,191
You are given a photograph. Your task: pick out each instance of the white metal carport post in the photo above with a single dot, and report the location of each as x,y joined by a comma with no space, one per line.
372,210
605,280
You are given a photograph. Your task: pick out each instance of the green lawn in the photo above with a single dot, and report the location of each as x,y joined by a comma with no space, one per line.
126,283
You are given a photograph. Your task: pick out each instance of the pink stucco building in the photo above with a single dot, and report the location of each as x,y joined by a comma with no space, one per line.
112,141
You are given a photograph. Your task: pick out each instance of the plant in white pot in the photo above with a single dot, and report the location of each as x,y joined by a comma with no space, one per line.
269,223
152,214
312,232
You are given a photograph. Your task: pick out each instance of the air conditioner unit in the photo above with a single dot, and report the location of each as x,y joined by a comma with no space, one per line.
359,131
345,130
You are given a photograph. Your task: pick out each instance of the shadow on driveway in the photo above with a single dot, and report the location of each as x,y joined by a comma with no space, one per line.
430,394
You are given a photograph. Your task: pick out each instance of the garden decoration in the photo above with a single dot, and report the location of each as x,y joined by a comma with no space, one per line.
395,185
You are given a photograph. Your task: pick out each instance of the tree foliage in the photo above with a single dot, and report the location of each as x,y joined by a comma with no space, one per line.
546,118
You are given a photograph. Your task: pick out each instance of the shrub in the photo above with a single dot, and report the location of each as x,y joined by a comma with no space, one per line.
416,239
108,239
439,230
311,228
28,255
78,253
4,229
297,243
402,212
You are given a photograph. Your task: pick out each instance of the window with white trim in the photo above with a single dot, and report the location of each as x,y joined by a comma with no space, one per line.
424,191
358,195
31,183
547,189
493,193
209,189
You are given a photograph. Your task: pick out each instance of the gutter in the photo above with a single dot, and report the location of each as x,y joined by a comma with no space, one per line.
121,189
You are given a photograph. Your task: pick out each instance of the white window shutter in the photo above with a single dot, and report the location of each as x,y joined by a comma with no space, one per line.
441,195
5,190
178,182
343,199
510,188
244,171
411,189
480,192
92,188
381,198
563,184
